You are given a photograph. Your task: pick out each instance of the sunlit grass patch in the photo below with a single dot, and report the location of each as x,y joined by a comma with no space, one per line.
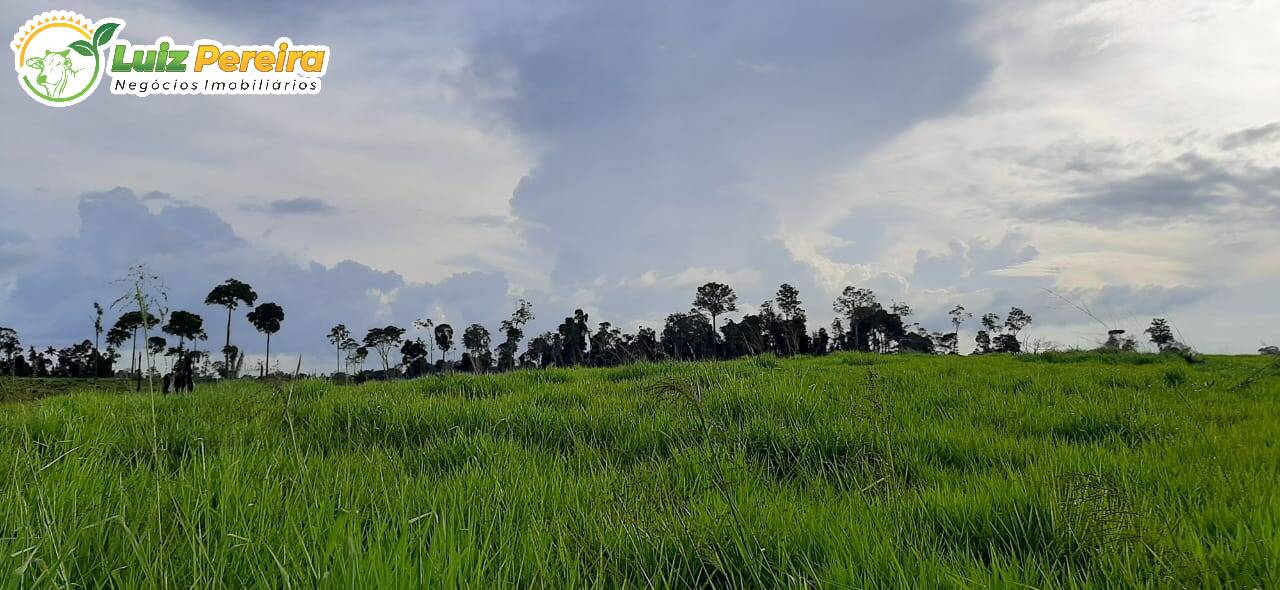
849,470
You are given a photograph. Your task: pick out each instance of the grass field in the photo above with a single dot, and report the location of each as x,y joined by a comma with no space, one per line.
24,389
846,471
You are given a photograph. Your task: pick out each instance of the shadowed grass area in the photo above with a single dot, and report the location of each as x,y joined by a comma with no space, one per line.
21,389
847,471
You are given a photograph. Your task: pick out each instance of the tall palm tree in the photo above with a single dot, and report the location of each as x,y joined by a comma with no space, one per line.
230,295
266,318
337,336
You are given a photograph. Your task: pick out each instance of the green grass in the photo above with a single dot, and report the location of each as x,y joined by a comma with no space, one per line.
26,389
847,471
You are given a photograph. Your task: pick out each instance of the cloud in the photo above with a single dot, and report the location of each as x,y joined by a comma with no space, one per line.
12,237
986,276
608,155
1190,187
671,137
392,143
1251,136
691,278
972,262
192,249
295,206
1147,300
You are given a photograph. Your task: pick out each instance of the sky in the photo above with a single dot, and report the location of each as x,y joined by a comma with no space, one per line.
1112,156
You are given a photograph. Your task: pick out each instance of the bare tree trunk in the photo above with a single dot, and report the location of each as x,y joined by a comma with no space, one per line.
715,338
226,347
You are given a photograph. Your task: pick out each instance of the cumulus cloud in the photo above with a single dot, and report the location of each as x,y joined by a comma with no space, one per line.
192,249
672,136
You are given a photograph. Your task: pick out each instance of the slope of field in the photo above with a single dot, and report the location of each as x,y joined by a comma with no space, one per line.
846,471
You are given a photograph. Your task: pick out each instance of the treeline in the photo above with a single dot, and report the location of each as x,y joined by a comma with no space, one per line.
148,332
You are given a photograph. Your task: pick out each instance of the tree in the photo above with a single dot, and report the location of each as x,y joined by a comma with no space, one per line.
230,295
839,338
958,317
688,336
266,318
821,342
1116,340
607,346
788,299
116,337
144,293
413,355
1001,336
513,331
715,299
384,340
97,337
39,363
349,346
426,325
444,339
1161,334
949,343
902,310
854,304
186,326
645,345
982,342
10,345
128,325
574,334
543,350
1016,320
156,345
476,340
1013,323
357,356
338,335
774,331
882,330
917,342
75,361
750,336
794,330
991,326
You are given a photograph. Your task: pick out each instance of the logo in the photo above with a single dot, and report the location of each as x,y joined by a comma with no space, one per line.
62,56
59,56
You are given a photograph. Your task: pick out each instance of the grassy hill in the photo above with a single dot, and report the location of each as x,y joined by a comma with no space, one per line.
846,471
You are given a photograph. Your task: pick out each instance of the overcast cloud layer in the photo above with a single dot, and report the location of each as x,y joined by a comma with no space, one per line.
614,155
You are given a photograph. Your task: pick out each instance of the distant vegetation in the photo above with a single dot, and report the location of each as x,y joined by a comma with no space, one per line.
850,470
146,329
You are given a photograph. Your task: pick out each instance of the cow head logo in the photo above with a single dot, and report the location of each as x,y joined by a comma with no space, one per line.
60,56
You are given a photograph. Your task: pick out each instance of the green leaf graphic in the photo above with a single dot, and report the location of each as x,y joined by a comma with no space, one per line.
105,33
82,47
